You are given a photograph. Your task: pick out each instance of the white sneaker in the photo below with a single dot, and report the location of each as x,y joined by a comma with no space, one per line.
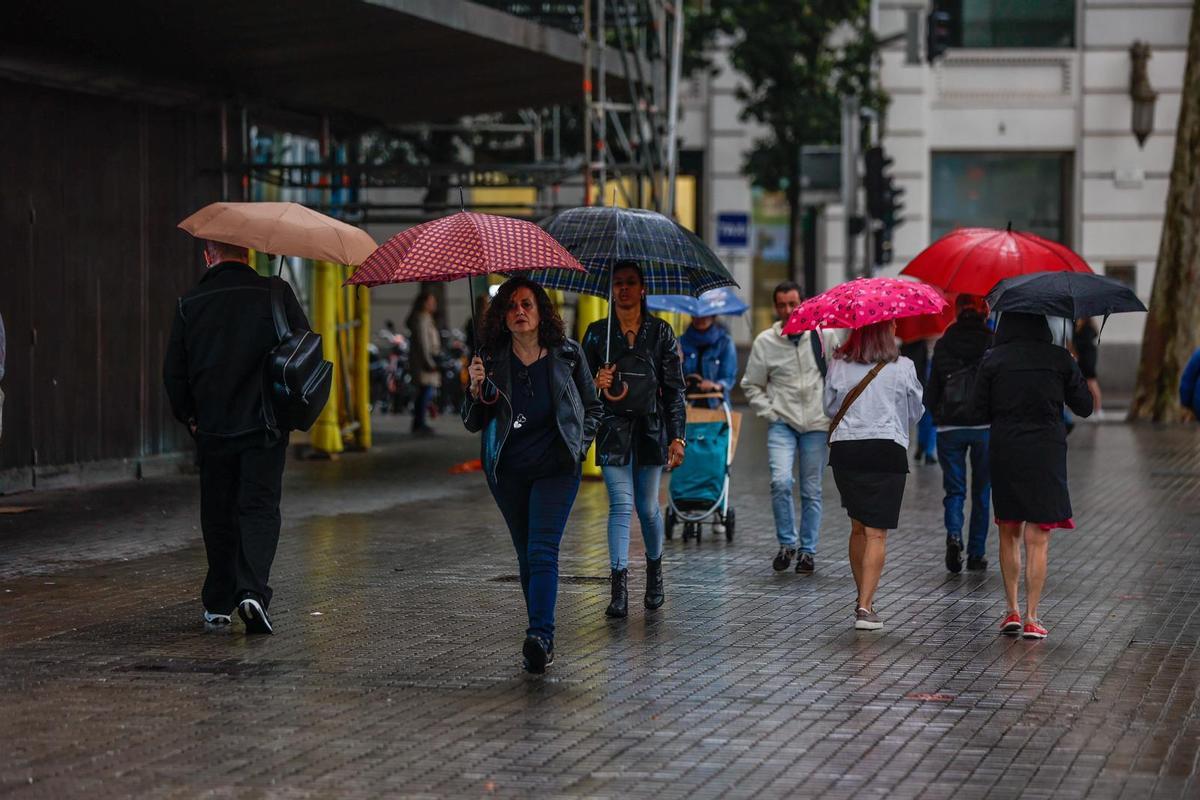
217,623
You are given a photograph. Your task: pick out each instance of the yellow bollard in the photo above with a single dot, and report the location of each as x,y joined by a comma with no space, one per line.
590,309
326,434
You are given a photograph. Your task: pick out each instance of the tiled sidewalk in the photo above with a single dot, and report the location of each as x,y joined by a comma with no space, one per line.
395,672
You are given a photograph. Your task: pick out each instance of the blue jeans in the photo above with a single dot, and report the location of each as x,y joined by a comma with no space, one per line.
927,436
953,448
424,398
784,444
536,513
628,486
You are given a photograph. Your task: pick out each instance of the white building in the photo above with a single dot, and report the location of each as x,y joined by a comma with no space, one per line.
1026,119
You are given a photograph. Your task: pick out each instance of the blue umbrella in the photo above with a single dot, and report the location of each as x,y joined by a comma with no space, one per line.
714,302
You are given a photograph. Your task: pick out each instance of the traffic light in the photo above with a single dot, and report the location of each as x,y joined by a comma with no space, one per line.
876,182
882,246
884,203
937,34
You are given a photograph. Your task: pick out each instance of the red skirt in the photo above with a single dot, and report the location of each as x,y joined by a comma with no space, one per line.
1066,524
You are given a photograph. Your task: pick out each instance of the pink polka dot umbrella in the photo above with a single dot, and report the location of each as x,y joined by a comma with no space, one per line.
865,301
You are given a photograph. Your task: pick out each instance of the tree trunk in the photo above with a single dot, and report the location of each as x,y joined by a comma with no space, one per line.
1173,324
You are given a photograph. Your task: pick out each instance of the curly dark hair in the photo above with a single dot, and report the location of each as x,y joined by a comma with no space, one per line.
495,336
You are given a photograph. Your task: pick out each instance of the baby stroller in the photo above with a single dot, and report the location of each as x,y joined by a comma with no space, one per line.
699,491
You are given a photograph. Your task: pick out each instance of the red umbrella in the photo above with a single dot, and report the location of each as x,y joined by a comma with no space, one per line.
462,245
927,326
973,260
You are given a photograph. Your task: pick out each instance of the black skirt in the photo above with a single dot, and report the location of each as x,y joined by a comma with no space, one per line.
870,475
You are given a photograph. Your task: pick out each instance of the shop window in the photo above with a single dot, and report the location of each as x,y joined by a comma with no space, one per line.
990,190
1010,23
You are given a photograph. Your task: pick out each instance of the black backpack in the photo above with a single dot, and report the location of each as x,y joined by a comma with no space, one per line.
957,392
296,376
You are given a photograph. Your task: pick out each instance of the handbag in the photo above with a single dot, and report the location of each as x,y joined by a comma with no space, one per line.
850,398
296,377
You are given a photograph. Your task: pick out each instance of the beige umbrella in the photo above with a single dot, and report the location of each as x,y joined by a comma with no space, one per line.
284,229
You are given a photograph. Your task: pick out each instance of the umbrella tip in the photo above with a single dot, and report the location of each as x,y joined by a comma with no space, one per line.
1009,228
462,205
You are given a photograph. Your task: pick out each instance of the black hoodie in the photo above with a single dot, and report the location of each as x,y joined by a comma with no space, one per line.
962,345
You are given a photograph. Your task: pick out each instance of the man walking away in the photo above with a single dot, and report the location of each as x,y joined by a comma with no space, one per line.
213,373
962,431
784,382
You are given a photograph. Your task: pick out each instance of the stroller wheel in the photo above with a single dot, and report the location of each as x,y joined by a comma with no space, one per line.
689,530
669,526
729,520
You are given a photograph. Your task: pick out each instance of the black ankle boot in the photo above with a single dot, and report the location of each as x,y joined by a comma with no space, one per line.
654,583
619,607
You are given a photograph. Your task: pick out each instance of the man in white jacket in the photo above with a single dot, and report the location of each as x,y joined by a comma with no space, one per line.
784,382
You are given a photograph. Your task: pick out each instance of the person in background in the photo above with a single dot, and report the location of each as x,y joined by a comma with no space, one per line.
919,353
425,343
1189,385
213,374
642,430
709,359
1087,353
1023,383
538,414
1060,336
784,381
961,430
873,395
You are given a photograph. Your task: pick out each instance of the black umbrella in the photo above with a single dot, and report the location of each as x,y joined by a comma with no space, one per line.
1073,295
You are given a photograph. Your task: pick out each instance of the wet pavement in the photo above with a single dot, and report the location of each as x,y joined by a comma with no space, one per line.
395,671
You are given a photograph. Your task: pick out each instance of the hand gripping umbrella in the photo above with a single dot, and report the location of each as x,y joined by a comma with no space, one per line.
673,260
463,245
865,301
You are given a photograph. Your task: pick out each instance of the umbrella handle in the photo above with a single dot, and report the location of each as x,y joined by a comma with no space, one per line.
483,398
616,398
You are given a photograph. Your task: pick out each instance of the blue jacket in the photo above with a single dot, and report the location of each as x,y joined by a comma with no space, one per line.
712,355
1189,385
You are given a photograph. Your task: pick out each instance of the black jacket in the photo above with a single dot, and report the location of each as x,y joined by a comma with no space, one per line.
576,407
962,345
1022,384
651,435
220,337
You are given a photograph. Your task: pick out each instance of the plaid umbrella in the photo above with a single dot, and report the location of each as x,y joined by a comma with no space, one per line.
673,259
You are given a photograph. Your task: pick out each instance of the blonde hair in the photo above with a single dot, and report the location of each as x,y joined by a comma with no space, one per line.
870,344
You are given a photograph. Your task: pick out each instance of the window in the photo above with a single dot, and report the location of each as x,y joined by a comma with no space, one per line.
1010,23
990,190
1122,271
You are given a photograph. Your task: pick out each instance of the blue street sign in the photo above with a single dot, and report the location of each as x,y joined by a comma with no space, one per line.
733,230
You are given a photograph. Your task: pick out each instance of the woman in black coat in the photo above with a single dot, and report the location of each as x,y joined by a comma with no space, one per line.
642,428
1022,384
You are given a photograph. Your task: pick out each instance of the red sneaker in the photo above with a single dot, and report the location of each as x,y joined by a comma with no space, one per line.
1033,630
1012,623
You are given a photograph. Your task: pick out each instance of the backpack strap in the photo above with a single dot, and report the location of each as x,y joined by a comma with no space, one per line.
278,312
818,351
850,398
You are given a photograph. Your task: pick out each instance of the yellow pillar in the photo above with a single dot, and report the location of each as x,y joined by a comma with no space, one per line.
590,309
362,366
326,434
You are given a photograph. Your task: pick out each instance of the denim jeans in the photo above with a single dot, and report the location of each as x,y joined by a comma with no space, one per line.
953,448
629,486
927,436
784,444
536,513
421,406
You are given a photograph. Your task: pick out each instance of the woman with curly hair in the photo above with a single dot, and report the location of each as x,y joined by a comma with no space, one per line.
532,395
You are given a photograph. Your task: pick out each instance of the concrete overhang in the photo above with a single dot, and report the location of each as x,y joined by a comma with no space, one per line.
390,61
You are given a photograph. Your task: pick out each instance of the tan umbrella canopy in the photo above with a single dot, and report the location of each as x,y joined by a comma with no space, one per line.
286,229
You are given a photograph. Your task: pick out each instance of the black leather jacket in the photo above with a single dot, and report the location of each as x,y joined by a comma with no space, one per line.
651,435
576,405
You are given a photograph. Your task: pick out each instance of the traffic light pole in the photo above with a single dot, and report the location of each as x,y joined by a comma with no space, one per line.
850,137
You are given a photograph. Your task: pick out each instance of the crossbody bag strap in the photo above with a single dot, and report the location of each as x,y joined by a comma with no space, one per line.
850,398
278,312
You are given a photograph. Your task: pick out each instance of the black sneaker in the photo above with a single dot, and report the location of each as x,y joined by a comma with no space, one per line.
538,654
976,564
806,564
783,559
930,460
255,616
954,559
217,623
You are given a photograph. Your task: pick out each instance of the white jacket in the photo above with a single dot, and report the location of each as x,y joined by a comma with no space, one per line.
887,408
783,382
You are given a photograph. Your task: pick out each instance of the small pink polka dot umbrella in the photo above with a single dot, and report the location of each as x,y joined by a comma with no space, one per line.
865,301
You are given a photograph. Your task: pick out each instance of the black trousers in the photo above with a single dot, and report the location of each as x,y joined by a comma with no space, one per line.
239,514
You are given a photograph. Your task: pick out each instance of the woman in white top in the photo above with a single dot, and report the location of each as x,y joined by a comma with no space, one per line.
869,448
